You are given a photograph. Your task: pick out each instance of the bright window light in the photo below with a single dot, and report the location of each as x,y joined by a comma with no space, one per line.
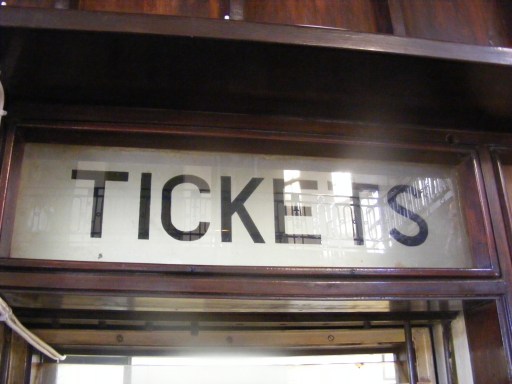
342,185
86,374
350,369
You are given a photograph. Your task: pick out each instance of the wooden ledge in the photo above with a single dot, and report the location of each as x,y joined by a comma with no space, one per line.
73,20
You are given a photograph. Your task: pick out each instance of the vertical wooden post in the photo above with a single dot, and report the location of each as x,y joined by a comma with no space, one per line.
5,342
411,357
15,360
447,337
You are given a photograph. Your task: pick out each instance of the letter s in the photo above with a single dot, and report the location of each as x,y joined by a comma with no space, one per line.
410,241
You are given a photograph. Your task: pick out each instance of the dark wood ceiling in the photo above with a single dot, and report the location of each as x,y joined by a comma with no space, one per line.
222,69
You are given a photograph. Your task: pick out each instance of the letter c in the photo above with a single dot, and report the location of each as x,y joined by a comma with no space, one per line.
169,227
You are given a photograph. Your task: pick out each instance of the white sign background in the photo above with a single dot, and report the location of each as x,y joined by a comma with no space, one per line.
53,213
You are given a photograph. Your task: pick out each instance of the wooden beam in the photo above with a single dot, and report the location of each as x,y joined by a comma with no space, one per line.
214,339
73,20
15,358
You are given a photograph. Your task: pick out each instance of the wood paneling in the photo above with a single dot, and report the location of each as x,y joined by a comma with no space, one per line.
208,74
243,286
44,19
481,239
507,180
192,8
15,358
482,22
19,365
36,3
486,345
5,347
355,15
33,304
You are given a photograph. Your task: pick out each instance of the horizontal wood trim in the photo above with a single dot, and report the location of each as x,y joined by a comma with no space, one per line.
44,115
231,317
178,285
86,266
37,300
249,141
289,134
73,20
251,339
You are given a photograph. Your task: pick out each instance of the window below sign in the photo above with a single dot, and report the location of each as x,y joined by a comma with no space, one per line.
356,369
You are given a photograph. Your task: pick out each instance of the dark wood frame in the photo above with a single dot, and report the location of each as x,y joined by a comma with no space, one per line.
76,20
494,157
204,137
502,157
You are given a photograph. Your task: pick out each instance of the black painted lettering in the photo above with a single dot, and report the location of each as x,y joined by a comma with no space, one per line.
421,236
99,178
357,219
144,205
281,210
357,188
169,227
230,207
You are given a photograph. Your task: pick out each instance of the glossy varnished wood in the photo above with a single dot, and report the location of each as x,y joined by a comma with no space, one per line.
361,16
175,319
92,118
204,339
500,188
179,285
72,20
215,9
488,354
15,356
473,194
482,22
53,303
36,3
211,75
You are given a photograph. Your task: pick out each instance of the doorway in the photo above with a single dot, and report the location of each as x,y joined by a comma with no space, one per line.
399,341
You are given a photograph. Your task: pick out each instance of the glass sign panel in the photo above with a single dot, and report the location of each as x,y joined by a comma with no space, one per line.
181,207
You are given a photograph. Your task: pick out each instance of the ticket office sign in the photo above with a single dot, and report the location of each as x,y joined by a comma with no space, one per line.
180,207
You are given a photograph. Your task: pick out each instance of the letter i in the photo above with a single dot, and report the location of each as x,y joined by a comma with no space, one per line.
144,205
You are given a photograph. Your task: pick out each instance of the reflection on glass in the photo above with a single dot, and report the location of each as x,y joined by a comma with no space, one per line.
173,207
